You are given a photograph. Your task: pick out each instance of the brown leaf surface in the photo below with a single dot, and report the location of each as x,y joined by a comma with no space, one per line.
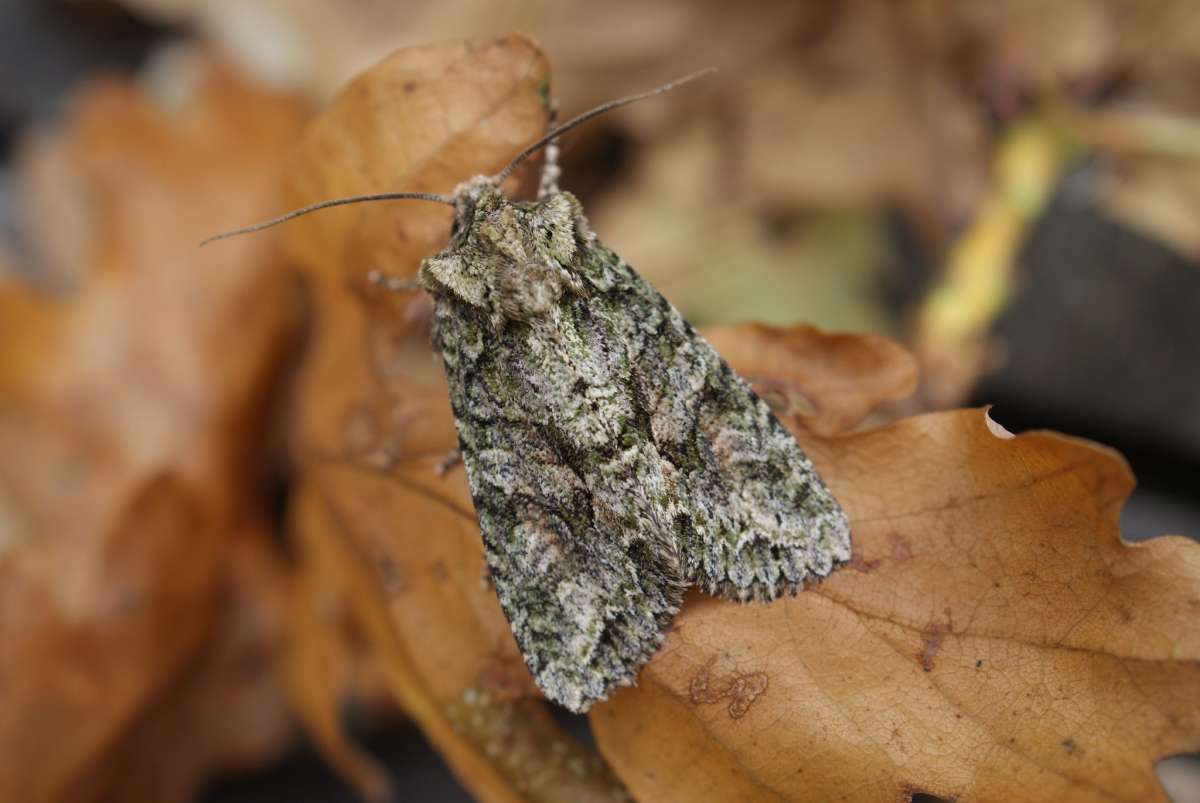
83,654
141,591
225,710
317,671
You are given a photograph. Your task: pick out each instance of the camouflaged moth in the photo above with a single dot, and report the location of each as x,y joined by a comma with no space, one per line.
614,459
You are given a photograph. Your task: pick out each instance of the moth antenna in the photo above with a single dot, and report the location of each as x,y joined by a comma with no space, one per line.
354,199
601,109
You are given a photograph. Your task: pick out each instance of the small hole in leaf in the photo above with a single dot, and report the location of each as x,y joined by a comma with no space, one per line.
923,797
999,430
1180,778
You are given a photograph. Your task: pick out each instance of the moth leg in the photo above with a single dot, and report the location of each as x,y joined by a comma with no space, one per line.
548,185
452,459
393,283
485,578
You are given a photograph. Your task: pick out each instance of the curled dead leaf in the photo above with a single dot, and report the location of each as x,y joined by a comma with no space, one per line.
844,376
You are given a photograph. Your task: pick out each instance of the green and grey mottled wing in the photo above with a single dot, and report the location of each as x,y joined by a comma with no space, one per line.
614,460
577,520
755,520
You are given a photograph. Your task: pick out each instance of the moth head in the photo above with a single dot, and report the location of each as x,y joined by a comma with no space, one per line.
510,259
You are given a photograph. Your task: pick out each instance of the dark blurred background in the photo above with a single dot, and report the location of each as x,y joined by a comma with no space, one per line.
1012,190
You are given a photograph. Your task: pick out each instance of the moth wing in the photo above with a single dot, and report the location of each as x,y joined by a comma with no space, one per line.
759,521
588,603
578,524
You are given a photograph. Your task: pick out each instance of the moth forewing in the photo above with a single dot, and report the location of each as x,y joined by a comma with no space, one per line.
614,458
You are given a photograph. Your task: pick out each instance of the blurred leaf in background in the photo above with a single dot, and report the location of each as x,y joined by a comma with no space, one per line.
142,608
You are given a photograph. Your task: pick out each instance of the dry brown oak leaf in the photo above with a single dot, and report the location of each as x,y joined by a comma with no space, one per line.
142,607
993,637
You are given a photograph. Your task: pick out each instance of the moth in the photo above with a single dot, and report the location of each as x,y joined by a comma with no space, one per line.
614,459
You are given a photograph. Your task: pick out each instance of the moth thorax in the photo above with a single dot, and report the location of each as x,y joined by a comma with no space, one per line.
528,289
